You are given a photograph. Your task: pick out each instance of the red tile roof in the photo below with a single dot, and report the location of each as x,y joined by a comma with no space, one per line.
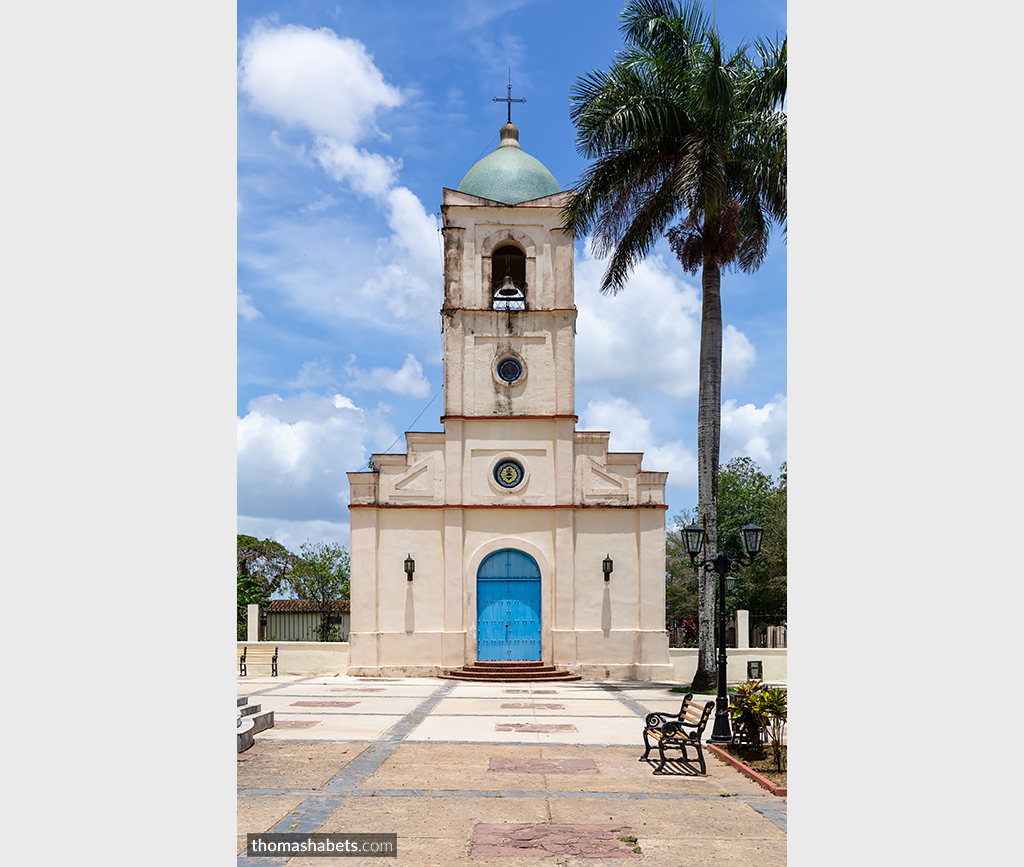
283,606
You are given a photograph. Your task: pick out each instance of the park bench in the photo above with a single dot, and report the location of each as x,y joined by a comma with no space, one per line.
677,732
245,655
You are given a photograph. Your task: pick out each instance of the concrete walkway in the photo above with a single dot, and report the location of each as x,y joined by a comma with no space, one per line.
469,773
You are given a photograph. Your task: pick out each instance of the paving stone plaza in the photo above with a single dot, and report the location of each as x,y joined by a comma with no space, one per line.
470,773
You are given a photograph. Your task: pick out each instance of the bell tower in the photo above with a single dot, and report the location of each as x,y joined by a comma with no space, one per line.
509,315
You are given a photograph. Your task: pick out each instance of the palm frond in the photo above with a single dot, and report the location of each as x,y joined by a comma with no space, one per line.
603,183
650,219
680,127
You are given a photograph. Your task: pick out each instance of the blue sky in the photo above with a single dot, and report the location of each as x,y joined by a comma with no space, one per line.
351,119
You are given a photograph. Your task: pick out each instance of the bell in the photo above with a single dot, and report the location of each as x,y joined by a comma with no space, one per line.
508,288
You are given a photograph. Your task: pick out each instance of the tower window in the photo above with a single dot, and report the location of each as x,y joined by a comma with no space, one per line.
508,274
509,370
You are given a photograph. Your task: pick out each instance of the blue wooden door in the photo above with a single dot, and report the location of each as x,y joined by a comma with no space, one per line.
508,607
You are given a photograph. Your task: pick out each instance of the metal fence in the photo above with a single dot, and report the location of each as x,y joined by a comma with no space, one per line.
303,626
766,630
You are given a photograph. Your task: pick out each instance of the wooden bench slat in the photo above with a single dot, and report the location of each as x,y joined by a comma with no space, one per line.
258,656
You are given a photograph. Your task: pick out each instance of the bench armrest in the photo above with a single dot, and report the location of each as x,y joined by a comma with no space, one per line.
675,729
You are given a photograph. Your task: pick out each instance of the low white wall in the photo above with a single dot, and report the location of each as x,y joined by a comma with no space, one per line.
302,657
325,658
773,663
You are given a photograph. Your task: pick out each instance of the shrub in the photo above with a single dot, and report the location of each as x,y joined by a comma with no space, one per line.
770,707
743,709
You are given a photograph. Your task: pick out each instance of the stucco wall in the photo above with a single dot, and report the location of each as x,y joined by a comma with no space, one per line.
773,663
301,657
315,658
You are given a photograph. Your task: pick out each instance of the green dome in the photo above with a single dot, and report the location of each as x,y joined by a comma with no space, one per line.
509,175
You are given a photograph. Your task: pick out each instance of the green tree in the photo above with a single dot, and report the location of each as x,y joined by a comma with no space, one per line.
250,592
762,587
261,570
746,494
321,575
679,130
680,577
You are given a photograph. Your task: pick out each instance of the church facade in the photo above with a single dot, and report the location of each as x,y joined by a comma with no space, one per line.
509,518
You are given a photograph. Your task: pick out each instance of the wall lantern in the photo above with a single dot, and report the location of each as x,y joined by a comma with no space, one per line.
607,566
410,567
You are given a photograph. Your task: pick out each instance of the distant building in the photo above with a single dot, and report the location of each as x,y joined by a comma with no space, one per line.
299,620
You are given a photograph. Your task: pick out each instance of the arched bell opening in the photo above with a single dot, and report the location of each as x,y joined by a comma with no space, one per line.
508,273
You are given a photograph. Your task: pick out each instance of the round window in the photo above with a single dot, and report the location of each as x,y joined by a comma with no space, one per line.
509,369
508,473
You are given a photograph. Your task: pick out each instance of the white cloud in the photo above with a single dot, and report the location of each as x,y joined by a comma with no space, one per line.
409,273
649,332
738,354
408,380
368,174
647,336
314,374
329,86
292,534
632,432
476,13
759,433
293,455
297,151
322,204
245,306
315,79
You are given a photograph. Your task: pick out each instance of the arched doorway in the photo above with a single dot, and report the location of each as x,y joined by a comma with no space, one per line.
508,607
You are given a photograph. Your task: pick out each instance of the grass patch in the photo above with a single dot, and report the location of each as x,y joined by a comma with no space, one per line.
682,690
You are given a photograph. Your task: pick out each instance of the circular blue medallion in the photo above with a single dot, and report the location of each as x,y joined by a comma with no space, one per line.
508,473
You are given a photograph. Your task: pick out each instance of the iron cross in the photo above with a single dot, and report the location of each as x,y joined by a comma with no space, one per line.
508,98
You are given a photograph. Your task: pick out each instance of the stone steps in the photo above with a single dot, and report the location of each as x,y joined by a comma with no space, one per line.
250,720
508,672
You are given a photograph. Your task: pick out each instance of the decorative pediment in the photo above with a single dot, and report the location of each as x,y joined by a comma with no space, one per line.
601,484
417,483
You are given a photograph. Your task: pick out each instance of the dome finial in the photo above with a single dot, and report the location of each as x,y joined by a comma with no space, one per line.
509,136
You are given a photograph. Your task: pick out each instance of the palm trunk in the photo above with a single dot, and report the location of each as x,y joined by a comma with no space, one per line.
709,426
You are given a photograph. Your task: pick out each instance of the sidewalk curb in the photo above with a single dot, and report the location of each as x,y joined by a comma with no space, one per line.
743,769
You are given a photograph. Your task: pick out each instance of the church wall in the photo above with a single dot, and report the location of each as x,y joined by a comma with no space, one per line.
587,624
417,605
613,604
396,622
488,441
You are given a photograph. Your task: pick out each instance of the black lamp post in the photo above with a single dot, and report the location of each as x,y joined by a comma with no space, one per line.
410,567
722,565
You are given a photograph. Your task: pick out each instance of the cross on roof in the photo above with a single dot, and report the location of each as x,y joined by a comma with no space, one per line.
508,98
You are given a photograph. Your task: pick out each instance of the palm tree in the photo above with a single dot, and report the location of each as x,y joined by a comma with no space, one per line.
679,130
